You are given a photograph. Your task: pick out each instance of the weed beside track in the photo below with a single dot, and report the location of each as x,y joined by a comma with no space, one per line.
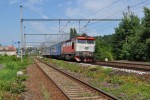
12,85
121,84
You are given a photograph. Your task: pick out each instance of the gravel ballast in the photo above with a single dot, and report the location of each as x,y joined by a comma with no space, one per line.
40,87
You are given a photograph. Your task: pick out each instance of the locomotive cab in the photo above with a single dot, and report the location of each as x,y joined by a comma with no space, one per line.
85,48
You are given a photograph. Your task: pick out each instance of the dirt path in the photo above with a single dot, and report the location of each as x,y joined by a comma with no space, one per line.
39,87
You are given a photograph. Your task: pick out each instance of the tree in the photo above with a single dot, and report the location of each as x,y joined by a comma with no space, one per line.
73,33
145,36
128,28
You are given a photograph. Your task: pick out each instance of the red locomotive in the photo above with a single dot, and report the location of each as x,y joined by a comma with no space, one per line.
81,48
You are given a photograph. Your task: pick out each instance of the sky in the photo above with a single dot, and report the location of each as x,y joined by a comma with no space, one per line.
75,9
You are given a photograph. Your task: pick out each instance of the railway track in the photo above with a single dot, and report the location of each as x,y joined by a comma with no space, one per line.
71,87
124,65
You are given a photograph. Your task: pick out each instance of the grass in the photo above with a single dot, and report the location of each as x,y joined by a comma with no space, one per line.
123,85
11,85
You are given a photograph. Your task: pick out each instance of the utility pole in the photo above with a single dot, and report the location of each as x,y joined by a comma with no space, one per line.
21,32
18,47
24,41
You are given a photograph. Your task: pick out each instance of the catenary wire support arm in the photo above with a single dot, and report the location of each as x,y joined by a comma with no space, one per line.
40,42
48,34
79,20
71,19
65,25
85,26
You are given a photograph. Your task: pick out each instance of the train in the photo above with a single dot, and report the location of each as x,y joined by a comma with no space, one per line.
80,48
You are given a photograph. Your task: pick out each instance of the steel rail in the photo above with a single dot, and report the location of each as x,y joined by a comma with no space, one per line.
101,92
132,63
139,67
52,80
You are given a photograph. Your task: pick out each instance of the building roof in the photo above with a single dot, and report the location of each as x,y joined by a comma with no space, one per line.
7,48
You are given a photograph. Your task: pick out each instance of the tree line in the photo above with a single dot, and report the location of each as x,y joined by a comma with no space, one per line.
131,40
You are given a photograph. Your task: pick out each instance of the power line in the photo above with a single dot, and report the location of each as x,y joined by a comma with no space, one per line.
99,11
103,8
125,9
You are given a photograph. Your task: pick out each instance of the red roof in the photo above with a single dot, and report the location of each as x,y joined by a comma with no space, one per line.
81,38
7,48
85,38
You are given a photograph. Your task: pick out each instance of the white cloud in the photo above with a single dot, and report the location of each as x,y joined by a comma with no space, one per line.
11,2
72,12
85,7
38,27
95,4
36,6
44,16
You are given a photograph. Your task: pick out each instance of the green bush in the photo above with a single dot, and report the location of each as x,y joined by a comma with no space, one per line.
104,54
20,79
11,65
5,86
9,81
14,58
17,88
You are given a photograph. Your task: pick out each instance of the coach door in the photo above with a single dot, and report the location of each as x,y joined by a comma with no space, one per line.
72,45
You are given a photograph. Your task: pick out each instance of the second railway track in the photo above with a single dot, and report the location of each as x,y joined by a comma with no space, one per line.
133,66
71,87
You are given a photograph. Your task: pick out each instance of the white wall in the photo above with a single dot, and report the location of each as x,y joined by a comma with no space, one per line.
8,53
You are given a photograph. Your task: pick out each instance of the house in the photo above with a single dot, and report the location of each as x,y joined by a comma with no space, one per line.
8,50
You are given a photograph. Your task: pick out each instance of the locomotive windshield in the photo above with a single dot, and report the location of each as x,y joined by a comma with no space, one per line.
82,41
86,41
90,41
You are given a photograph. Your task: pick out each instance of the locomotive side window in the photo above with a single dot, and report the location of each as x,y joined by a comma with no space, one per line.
90,41
82,41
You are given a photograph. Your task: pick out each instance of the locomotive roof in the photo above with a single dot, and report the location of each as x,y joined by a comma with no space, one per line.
81,38
85,38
